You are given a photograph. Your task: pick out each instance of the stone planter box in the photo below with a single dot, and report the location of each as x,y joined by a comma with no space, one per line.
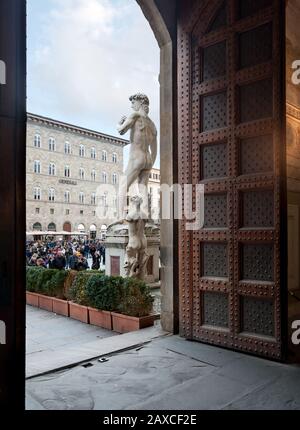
100,318
124,323
61,307
32,299
79,312
46,303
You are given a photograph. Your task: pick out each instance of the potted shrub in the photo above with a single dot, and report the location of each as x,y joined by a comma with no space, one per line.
32,295
45,288
103,295
37,278
135,306
55,288
78,305
51,284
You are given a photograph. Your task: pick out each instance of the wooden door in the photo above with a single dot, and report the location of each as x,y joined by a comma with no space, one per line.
231,139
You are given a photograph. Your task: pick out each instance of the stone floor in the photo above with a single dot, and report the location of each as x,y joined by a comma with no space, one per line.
47,331
155,371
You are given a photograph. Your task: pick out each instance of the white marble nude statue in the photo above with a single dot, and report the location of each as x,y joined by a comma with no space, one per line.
142,156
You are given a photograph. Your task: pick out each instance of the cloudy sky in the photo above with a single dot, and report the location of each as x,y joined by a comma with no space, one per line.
86,57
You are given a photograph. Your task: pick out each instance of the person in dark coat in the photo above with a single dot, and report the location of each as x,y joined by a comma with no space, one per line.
59,261
82,264
102,253
74,260
96,261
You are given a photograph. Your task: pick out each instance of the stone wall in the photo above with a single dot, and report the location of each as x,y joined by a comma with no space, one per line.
77,185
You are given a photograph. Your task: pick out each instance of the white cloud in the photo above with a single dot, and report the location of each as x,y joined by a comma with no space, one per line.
92,55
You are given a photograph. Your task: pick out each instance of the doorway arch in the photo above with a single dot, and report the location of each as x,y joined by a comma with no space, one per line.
13,116
152,10
93,231
67,227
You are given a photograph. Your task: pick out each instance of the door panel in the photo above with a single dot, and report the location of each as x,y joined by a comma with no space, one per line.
231,112
293,250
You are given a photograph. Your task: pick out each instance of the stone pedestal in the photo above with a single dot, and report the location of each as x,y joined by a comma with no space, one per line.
115,250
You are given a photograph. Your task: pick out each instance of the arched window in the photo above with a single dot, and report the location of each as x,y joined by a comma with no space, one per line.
51,195
93,153
52,227
37,167
37,193
81,151
114,158
52,169
67,196
67,148
104,177
51,144
37,226
81,228
93,175
103,231
104,155
67,227
37,141
93,231
93,198
67,172
81,197
114,178
81,173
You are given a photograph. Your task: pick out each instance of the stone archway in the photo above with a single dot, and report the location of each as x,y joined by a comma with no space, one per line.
13,134
67,227
153,11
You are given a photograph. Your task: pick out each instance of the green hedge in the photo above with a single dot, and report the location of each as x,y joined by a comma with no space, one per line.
90,288
125,295
32,274
77,292
136,298
49,282
104,292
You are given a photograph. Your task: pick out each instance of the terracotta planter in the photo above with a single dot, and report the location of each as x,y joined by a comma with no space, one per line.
100,318
32,299
46,303
124,323
79,312
60,307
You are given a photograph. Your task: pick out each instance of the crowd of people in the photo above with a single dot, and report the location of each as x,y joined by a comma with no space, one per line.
61,255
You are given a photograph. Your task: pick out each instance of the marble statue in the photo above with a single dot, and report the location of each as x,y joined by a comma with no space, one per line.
142,156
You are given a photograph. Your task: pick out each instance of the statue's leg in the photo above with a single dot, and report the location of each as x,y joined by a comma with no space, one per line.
132,173
143,181
130,176
131,261
143,260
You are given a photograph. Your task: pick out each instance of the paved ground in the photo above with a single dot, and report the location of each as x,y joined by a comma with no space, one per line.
158,372
47,335
46,332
